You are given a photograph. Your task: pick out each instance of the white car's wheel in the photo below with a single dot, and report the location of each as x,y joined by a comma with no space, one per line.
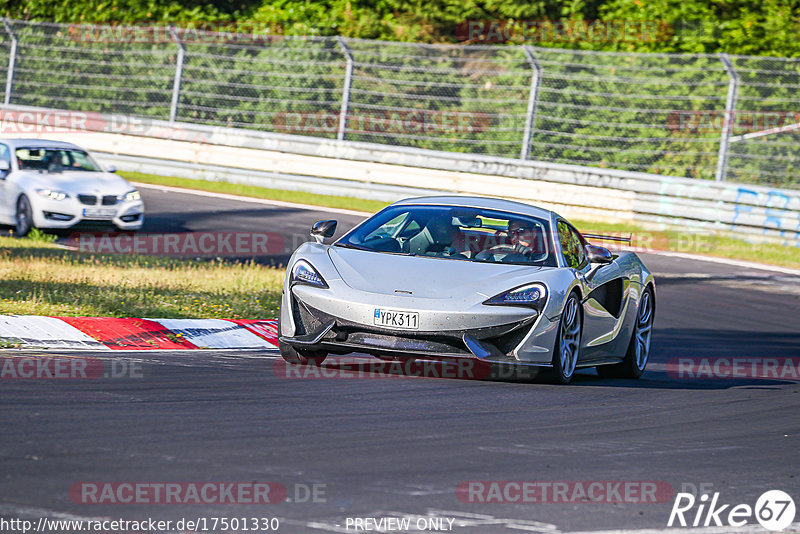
24,216
568,341
639,347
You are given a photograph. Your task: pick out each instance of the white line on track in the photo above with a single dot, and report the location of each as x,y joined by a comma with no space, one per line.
728,261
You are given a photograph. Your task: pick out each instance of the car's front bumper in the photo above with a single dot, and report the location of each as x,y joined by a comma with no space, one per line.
62,214
313,319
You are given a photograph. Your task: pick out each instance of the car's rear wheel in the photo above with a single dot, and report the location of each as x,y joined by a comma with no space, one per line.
568,341
299,357
24,216
635,360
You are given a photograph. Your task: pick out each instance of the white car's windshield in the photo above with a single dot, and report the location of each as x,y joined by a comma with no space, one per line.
55,160
458,233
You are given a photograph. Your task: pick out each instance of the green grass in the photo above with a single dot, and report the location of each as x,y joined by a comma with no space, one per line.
712,244
41,278
38,236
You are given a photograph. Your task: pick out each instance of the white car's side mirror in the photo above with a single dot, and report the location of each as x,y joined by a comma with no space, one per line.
111,168
5,165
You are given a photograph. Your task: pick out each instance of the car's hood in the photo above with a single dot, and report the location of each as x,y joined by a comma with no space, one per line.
424,277
79,182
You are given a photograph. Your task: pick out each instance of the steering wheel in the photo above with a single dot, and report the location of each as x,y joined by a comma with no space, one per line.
503,249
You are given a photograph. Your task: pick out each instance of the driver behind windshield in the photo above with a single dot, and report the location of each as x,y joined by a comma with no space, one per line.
525,244
523,237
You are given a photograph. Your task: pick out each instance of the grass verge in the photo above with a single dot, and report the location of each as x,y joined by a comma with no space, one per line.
40,278
711,244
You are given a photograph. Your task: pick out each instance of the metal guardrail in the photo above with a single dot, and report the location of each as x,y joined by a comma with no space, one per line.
371,170
739,209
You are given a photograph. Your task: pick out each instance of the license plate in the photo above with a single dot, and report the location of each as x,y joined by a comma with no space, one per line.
99,213
397,319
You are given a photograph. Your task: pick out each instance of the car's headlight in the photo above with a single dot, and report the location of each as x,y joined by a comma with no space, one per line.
131,196
529,295
304,273
52,194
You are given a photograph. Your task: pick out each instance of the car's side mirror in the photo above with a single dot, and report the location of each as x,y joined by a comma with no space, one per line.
111,168
323,229
5,168
597,254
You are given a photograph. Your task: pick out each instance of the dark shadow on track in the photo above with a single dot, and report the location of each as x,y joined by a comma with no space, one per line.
365,367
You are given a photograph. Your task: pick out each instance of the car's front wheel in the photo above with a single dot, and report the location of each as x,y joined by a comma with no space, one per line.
632,366
24,216
568,341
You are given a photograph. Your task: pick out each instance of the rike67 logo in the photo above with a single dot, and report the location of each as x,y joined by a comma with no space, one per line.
774,510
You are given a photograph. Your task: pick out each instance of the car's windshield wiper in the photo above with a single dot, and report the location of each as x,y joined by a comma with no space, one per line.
361,247
350,245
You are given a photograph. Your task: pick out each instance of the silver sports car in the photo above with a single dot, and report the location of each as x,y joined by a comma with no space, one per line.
465,277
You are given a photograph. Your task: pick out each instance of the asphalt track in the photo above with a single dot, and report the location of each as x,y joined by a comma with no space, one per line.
400,447
176,212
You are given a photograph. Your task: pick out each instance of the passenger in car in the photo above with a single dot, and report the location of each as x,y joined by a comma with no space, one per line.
435,239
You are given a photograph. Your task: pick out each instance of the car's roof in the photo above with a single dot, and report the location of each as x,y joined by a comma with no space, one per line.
38,143
480,202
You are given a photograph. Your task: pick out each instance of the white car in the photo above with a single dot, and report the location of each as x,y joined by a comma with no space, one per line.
57,185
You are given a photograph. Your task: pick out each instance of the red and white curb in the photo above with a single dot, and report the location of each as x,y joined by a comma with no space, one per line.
111,333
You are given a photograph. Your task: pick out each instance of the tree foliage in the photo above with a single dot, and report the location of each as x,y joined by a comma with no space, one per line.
754,27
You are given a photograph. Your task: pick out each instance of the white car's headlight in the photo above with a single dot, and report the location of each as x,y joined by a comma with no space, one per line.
52,194
304,273
531,295
131,196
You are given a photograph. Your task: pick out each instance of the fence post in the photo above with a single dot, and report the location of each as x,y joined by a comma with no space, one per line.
533,99
176,85
727,123
12,60
348,80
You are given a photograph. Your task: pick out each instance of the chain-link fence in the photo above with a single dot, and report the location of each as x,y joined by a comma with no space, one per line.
700,116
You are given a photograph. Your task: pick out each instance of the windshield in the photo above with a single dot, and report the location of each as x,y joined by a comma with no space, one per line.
55,160
456,233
